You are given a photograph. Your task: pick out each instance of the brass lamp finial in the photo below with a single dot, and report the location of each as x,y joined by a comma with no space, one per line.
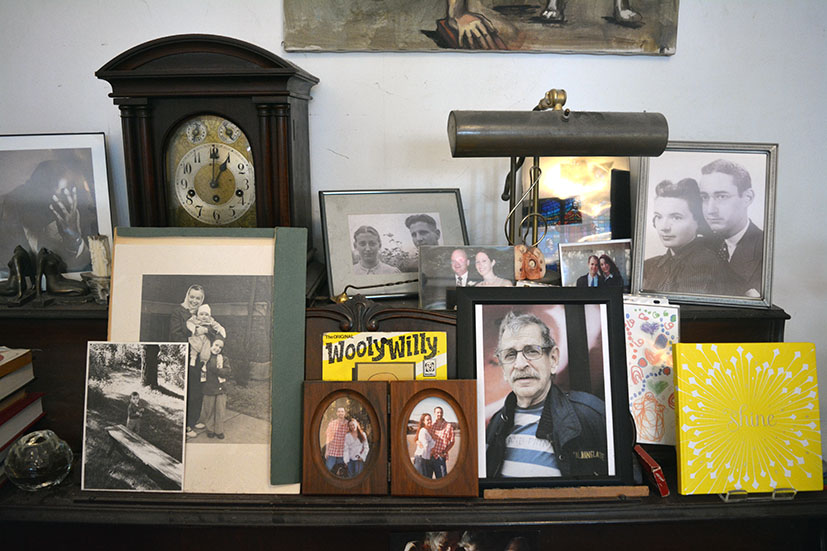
554,99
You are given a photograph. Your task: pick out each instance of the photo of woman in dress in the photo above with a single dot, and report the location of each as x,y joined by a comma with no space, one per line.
688,266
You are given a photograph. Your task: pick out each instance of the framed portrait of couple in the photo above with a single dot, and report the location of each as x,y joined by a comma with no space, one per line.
706,223
372,238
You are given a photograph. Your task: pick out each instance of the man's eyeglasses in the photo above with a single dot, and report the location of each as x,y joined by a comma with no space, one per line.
530,352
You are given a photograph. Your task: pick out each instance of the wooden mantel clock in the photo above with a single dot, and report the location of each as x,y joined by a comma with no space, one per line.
215,133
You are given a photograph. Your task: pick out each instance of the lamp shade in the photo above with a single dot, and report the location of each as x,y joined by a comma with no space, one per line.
556,133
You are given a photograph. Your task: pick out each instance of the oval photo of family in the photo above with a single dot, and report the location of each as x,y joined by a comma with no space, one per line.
345,437
433,437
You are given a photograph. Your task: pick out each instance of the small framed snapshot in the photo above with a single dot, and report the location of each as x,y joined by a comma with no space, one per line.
216,290
345,438
552,397
706,223
442,270
54,194
598,264
433,438
372,238
133,431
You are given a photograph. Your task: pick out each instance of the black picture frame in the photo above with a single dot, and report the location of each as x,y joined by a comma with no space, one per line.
590,323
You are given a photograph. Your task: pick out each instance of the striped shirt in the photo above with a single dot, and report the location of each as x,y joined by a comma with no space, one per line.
525,454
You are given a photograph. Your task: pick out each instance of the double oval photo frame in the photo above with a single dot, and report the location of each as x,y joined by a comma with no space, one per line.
394,411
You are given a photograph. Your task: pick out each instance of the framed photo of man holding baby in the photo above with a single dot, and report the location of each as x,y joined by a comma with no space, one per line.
706,223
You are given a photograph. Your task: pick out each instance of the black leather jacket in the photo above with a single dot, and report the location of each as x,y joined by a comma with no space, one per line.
573,422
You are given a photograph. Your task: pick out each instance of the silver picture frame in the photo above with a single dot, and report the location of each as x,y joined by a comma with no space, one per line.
385,218
701,181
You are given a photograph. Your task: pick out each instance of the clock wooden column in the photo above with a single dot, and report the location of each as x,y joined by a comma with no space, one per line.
161,84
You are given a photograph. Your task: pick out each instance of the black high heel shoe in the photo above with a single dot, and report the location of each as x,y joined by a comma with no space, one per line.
52,267
16,287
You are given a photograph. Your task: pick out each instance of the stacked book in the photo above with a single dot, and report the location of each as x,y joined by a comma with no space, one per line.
19,408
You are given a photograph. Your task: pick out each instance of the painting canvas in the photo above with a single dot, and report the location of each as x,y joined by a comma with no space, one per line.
647,27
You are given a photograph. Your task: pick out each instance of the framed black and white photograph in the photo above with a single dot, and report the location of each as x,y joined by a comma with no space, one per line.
706,223
445,269
372,238
551,385
597,264
54,194
216,292
133,436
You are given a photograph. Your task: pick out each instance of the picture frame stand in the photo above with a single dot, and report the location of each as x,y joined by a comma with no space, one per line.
569,493
741,496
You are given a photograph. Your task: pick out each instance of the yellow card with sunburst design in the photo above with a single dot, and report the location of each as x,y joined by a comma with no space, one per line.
747,417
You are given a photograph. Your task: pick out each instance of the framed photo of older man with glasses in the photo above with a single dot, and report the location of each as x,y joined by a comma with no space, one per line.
551,385
706,223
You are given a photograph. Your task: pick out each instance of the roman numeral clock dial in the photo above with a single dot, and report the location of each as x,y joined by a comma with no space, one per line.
211,180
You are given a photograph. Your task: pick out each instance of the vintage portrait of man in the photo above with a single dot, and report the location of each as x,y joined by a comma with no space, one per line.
545,391
705,220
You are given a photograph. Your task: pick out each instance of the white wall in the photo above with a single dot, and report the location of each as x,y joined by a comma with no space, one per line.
745,70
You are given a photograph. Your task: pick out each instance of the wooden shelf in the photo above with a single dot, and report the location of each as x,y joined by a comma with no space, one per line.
175,521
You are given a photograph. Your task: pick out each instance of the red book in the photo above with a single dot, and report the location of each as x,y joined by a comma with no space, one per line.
19,417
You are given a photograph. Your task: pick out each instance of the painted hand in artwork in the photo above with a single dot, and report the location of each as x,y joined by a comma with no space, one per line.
64,208
474,30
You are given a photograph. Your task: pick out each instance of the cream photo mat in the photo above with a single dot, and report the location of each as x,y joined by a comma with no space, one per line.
207,468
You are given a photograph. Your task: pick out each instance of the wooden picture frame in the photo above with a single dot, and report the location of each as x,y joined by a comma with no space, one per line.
457,399
48,174
726,194
361,314
583,328
272,459
370,399
384,221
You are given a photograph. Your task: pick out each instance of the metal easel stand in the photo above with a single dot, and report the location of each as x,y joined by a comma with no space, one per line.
741,496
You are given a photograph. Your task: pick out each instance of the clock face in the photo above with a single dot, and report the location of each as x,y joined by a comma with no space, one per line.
210,175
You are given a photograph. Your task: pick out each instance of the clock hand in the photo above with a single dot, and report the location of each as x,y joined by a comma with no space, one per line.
221,168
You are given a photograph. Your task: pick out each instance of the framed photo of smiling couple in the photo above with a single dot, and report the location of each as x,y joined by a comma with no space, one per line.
705,223
552,401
